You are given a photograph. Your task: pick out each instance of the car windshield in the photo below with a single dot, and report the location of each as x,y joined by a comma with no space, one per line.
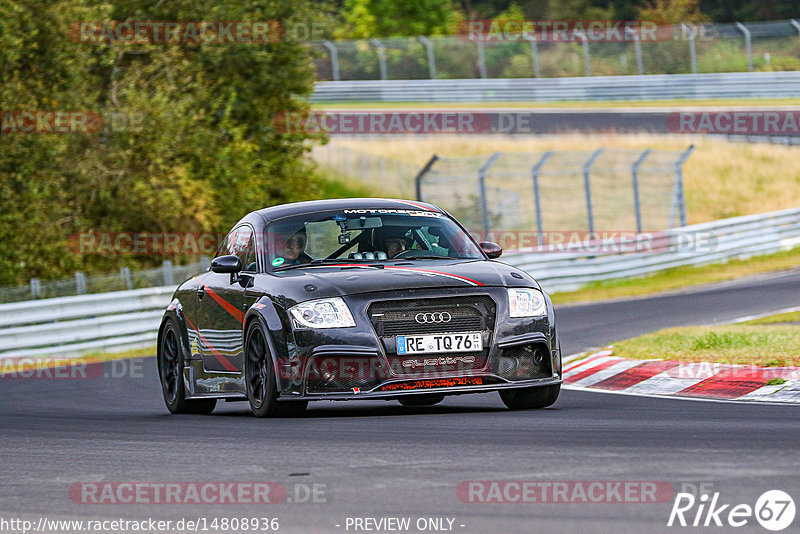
362,235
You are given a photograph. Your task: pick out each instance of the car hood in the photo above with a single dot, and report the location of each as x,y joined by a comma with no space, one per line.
350,279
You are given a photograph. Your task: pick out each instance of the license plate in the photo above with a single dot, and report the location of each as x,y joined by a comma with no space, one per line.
432,343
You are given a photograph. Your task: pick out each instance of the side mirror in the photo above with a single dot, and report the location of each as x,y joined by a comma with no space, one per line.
226,264
493,250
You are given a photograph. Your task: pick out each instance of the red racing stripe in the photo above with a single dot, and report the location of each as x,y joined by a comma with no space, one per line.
464,278
420,206
222,359
227,306
634,375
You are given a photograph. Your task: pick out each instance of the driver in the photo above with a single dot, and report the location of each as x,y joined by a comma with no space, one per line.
393,240
294,249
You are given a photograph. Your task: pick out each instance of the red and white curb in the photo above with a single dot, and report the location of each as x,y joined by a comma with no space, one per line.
603,371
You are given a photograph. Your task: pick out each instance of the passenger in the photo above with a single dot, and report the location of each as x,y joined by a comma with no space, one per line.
294,249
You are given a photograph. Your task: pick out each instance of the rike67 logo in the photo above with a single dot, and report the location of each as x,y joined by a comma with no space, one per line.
774,510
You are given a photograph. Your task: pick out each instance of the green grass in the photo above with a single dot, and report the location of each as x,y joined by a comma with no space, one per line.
680,278
600,104
789,317
766,345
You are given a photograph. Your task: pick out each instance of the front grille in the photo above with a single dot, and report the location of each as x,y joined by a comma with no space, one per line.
467,314
397,317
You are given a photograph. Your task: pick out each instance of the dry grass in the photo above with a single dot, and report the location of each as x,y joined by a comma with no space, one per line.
722,179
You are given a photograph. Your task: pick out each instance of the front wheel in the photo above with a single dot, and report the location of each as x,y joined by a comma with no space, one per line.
530,398
260,380
170,371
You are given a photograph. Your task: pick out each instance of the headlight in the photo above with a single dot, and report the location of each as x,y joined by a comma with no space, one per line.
323,313
526,303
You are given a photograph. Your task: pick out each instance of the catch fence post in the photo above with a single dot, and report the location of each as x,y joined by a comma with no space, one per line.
431,58
381,57
681,198
482,186
167,268
80,283
334,59
691,32
587,187
421,174
748,44
481,60
635,177
536,198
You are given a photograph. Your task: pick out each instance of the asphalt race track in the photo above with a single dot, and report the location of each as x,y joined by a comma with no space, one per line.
378,459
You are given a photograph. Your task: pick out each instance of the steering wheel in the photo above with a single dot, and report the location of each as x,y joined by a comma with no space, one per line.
410,253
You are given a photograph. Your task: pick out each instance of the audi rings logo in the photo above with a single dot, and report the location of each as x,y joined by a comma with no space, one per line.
433,317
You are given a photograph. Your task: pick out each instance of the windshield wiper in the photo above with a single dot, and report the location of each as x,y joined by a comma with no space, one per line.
428,257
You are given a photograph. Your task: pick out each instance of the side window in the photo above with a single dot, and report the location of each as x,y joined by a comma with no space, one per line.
240,242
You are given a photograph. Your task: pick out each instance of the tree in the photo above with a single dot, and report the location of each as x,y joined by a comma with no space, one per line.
206,151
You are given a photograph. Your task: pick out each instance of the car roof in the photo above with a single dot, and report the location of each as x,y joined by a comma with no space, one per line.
310,206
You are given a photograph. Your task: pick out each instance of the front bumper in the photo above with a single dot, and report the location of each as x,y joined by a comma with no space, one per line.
452,390
310,349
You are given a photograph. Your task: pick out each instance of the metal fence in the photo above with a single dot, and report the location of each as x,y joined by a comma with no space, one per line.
71,326
603,189
390,177
82,284
752,46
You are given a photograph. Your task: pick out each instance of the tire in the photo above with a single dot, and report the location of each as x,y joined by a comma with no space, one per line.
530,398
421,400
170,372
260,381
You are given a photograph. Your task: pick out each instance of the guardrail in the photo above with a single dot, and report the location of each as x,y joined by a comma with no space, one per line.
697,244
646,87
72,326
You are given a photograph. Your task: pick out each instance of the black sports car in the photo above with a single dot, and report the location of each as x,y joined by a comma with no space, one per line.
356,299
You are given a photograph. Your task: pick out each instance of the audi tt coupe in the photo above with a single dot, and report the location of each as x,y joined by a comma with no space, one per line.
356,299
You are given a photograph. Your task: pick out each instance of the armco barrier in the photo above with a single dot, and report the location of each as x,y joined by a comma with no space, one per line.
646,87
737,237
71,326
